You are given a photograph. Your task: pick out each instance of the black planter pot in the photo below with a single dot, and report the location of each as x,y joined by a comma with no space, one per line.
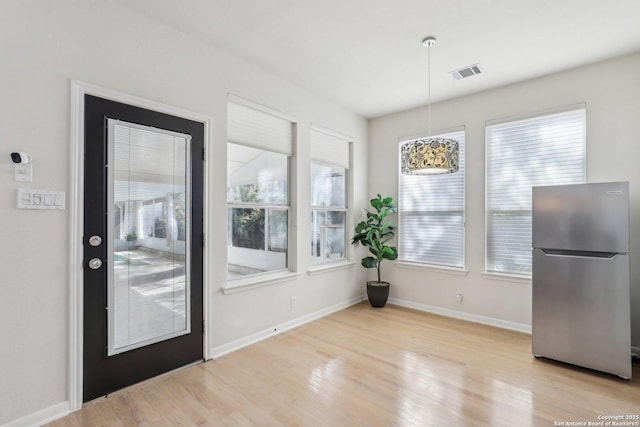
378,293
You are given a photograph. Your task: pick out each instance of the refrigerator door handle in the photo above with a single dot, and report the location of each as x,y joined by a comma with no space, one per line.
580,254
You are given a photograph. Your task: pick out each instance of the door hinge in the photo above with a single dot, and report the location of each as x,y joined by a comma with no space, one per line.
203,326
203,239
203,156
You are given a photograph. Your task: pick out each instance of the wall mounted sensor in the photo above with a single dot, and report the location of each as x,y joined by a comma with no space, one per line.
23,166
21,158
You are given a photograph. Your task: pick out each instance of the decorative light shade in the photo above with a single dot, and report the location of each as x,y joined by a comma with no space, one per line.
429,156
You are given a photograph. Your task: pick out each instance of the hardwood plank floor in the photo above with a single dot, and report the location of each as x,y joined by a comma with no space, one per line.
374,367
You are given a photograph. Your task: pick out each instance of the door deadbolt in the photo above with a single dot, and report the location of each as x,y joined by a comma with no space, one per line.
95,263
95,240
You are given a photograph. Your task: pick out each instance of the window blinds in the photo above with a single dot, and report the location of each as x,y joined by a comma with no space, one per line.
431,214
544,150
259,129
329,149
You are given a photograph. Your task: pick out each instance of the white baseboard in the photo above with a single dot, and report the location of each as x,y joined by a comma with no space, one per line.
60,410
223,349
41,417
485,320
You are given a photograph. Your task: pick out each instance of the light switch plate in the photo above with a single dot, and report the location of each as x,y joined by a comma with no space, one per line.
27,198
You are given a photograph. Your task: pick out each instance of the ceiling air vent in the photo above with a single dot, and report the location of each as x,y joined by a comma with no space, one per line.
465,72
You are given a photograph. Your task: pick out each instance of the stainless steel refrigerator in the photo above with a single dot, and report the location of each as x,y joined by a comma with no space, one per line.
581,307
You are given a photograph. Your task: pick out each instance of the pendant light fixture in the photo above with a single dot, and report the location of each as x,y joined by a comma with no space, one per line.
429,156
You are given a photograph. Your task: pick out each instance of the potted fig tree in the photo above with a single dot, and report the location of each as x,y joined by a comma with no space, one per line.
374,233
131,239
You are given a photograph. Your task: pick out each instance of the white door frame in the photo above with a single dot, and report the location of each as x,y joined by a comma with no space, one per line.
76,221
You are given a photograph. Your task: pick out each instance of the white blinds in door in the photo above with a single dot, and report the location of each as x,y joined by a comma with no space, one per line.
543,150
431,214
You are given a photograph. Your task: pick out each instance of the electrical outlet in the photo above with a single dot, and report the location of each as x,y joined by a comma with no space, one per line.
459,297
293,302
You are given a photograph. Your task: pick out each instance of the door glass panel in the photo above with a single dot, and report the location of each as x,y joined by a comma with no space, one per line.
148,235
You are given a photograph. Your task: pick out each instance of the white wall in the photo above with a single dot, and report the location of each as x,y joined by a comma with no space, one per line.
43,45
611,91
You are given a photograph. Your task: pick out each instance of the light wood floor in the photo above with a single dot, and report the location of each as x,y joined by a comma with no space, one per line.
373,367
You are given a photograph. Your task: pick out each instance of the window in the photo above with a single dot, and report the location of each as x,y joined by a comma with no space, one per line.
329,171
431,214
328,213
258,164
521,154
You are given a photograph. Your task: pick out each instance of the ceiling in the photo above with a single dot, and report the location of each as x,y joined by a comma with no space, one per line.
367,55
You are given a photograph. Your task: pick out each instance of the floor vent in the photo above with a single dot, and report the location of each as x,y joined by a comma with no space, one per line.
465,72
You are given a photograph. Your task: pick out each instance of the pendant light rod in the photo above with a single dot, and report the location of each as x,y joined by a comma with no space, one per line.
428,156
428,42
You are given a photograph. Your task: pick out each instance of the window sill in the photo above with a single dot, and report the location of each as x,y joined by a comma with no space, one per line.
431,267
514,278
249,283
329,267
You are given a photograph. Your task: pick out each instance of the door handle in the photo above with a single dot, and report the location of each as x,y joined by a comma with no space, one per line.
579,254
95,263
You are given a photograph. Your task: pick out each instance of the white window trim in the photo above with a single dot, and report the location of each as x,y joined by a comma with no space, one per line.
346,231
346,237
434,267
532,115
266,207
260,107
255,281
319,128
517,278
328,267
292,266
506,277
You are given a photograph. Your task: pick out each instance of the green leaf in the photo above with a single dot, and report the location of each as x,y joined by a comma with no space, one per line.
357,238
374,232
361,226
370,234
391,254
369,262
377,203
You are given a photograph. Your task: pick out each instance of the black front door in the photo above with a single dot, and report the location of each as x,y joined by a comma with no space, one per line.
143,219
